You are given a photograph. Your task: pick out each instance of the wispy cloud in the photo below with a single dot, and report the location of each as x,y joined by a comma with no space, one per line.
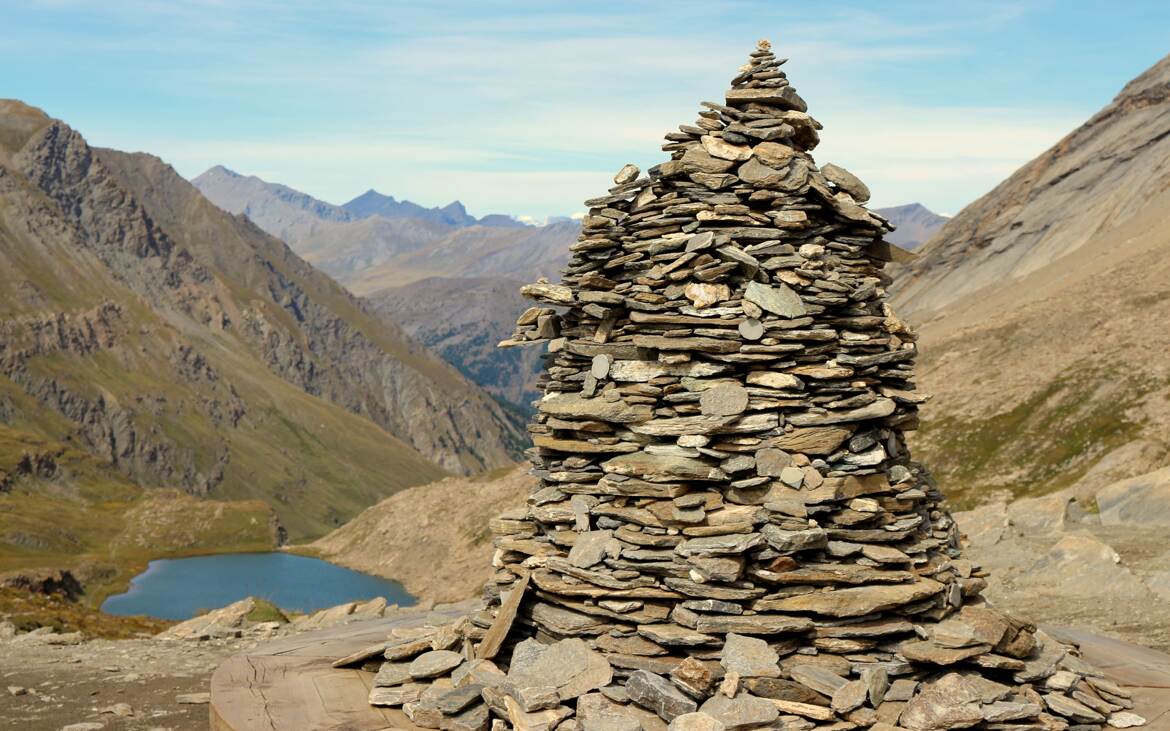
528,107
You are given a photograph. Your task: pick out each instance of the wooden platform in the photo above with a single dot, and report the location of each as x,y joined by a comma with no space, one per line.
289,685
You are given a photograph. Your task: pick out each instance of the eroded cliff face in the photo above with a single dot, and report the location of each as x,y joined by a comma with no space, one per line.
186,348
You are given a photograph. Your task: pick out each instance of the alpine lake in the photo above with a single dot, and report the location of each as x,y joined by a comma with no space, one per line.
178,589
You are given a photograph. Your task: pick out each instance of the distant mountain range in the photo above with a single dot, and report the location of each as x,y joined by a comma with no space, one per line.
916,224
260,199
148,339
373,203
416,265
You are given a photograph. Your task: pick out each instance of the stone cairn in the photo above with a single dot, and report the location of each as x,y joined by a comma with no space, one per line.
729,532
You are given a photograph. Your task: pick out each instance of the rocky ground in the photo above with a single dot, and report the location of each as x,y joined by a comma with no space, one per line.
1093,555
50,681
1090,556
66,681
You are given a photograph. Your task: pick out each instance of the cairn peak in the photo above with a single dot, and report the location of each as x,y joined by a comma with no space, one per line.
729,530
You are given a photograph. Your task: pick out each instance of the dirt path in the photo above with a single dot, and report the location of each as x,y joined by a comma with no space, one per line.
119,684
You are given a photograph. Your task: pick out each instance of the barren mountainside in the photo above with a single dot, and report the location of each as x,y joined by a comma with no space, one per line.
432,538
1042,310
432,311
183,347
1095,179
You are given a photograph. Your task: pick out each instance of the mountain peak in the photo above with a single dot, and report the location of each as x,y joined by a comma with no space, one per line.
219,170
373,203
18,123
914,224
372,196
17,108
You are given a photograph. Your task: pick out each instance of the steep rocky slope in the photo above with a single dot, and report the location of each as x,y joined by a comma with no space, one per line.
433,538
184,347
1057,377
462,320
1095,179
1042,310
915,223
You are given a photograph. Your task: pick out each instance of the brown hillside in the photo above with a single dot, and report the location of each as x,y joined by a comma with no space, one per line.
1042,308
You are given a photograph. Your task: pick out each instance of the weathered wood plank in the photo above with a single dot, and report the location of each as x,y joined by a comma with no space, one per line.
498,632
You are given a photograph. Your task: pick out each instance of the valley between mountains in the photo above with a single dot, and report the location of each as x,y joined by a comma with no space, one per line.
175,380
230,364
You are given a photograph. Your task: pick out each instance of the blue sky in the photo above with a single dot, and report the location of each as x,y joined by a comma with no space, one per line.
529,107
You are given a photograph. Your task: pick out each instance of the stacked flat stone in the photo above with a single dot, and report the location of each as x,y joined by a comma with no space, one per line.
729,531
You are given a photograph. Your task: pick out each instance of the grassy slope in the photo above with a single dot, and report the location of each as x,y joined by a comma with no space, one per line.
1040,379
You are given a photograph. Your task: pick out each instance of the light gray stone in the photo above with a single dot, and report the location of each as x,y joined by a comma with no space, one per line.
697,721
726,399
659,695
434,663
742,711
779,299
751,657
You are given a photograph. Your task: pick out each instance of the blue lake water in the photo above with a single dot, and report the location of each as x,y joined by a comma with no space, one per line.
180,588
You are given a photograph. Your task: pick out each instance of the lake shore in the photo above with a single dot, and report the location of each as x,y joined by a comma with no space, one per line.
144,683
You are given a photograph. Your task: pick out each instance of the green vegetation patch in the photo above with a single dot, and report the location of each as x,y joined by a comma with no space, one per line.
265,611
1040,445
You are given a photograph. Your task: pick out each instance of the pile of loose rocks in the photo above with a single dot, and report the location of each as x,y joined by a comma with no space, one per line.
729,531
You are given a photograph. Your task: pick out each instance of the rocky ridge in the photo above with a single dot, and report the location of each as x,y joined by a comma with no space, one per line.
1097,178
373,203
728,531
